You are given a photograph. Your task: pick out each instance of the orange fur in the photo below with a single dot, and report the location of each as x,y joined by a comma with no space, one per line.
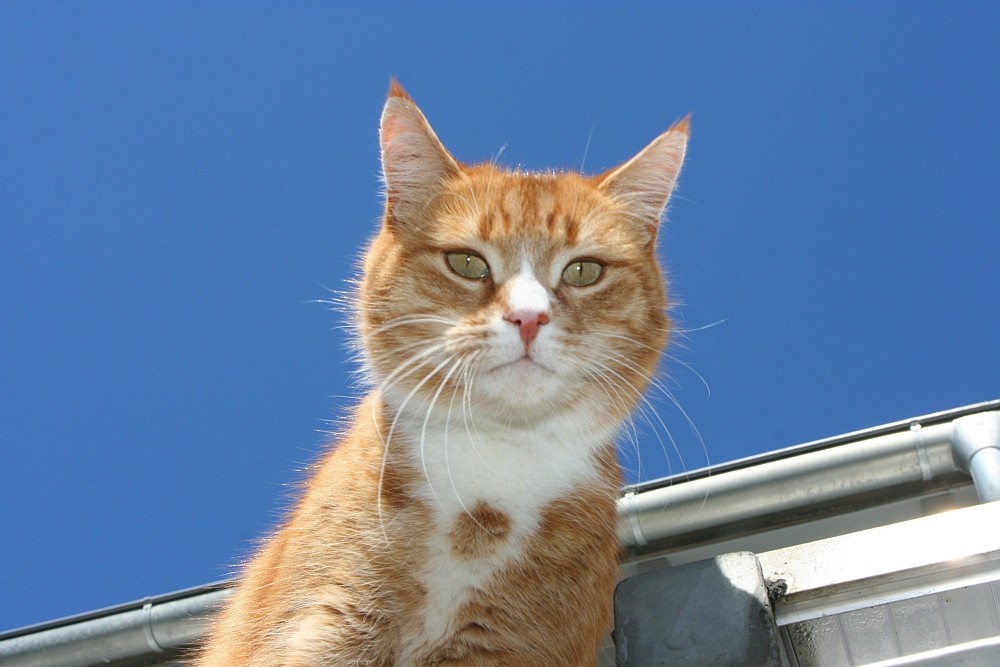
479,532
359,573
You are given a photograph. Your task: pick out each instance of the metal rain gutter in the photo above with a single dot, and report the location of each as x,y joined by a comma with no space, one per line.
819,479
154,628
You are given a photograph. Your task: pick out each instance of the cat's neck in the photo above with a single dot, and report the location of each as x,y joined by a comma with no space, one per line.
584,421
463,458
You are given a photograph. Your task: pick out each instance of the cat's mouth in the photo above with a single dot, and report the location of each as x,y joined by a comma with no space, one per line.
521,365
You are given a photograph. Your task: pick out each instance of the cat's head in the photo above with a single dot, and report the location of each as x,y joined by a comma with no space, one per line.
514,296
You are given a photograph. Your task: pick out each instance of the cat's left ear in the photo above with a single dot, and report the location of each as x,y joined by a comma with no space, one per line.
644,183
415,164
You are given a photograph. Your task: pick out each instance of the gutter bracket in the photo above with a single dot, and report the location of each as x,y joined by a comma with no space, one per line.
147,628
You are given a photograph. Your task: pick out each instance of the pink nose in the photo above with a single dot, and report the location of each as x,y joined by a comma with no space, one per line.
528,321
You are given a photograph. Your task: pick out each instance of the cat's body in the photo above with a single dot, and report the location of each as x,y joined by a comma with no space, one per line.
467,517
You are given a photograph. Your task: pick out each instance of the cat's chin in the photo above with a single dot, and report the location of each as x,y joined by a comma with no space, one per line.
524,388
523,381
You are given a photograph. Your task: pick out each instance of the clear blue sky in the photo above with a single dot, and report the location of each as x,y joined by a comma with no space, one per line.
181,182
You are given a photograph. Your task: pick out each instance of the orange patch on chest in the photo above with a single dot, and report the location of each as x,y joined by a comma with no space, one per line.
480,533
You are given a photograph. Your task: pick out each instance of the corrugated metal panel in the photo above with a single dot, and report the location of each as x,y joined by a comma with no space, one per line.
896,629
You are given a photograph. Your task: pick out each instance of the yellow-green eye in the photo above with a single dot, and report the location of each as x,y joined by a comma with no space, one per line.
468,265
582,272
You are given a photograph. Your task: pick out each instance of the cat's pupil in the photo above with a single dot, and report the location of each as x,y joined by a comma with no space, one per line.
582,273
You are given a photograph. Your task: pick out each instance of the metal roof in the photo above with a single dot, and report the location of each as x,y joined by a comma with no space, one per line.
888,556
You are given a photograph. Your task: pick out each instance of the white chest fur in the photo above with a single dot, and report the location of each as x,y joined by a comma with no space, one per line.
518,472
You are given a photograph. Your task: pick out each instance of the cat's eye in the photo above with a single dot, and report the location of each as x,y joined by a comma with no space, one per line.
468,265
582,272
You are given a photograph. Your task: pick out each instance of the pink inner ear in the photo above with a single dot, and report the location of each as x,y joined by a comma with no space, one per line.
645,182
414,162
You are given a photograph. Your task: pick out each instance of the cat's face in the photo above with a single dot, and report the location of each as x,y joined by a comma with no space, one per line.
511,295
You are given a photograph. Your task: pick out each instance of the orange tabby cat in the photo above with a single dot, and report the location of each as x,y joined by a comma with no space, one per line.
509,322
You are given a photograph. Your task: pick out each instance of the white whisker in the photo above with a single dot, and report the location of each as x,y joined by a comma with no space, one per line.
645,409
427,416
701,328
447,462
387,440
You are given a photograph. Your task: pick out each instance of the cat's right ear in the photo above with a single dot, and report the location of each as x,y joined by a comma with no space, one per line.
415,164
644,183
